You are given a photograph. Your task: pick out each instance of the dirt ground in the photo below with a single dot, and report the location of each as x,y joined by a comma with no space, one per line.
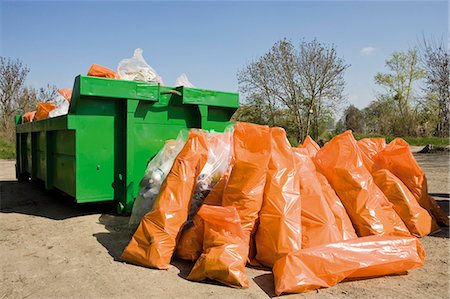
52,248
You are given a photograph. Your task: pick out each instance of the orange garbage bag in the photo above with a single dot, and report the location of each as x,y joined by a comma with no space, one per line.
310,145
279,230
324,266
190,243
370,211
43,109
28,117
371,146
245,187
153,243
416,219
398,159
66,93
225,247
101,71
318,223
340,214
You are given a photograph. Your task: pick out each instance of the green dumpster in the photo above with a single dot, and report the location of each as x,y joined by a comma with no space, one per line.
100,149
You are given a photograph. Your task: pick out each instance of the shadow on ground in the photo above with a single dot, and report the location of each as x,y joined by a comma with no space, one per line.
30,198
118,235
266,283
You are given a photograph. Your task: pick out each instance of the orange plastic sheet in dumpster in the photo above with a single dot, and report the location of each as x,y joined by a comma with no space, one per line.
66,93
245,187
28,117
190,243
279,229
101,71
416,218
225,247
340,214
370,211
43,109
327,265
310,145
154,241
398,158
318,223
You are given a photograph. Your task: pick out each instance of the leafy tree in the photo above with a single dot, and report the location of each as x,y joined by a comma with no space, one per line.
354,119
404,71
339,127
380,116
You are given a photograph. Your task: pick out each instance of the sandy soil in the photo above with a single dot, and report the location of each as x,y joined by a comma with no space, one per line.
52,248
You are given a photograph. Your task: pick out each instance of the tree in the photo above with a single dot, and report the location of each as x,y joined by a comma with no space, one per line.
435,57
12,80
354,119
404,72
304,83
322,81
380,116
49,93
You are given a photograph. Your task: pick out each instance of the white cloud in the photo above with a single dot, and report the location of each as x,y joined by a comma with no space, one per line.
366,51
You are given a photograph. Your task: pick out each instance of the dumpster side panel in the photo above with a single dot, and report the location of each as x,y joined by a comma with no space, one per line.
63,169
27,165
148,126
40,156
94,158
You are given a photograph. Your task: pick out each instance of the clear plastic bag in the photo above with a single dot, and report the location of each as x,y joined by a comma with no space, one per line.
62,102
183,80
62,109
220,153
155,174
137,69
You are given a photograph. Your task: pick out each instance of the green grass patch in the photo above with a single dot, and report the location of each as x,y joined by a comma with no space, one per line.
7,150
411,140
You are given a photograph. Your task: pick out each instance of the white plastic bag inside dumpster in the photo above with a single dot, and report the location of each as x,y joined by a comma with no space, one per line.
155,174
62,106
219,157
137,69
183,80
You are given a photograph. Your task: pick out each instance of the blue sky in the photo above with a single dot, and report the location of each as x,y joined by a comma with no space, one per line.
210,41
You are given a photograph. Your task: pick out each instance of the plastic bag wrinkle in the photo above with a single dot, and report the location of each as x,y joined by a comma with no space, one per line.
137,69
279,229
398,159
245,187
368,208
310,145
225,248
317,220
326,265
103,72
416,218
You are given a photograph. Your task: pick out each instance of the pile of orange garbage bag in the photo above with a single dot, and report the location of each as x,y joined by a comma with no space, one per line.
315,216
